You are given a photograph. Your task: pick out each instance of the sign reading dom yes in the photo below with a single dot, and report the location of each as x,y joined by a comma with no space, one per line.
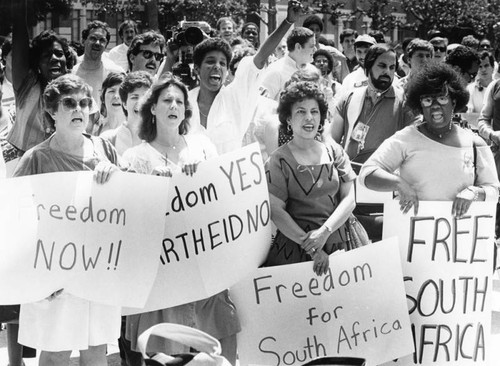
62,230
217,229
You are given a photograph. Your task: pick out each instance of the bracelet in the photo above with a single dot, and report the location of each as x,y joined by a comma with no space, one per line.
329,229
289,22
474,190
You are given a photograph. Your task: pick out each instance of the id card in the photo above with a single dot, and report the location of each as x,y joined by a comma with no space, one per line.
359,132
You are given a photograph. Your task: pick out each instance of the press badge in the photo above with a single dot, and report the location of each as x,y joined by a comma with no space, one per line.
359,133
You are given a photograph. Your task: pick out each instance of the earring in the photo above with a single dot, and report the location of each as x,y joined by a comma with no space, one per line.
320,128
289,128
153,121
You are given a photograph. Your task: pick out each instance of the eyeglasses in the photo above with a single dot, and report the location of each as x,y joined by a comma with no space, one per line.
485,46
70,103
148,54
94,39
428,101
440,49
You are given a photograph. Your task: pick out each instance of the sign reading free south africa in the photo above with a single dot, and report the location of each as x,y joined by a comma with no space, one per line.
447,266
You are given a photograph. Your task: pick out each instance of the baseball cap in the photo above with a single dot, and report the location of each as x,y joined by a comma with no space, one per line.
365,38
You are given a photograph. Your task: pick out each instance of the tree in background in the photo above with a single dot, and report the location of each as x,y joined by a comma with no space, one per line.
38,11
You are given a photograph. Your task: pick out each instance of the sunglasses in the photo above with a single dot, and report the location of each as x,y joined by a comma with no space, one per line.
70,103
428,101
148,54
440,49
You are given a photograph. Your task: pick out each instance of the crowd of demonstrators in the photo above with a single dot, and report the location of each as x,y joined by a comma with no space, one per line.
312,108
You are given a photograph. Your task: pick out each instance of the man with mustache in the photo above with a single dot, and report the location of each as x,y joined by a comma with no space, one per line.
118,54
365,116
94,68
146,52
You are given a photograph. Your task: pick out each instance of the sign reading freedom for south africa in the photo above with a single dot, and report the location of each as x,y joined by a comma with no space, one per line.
290,316
96,241
447,264
217,229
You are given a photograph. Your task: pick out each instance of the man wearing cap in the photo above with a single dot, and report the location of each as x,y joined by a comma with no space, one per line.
358,78
365,116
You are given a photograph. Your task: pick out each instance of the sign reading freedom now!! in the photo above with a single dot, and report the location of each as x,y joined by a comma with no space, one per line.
290,316
447,264
217,229
62,230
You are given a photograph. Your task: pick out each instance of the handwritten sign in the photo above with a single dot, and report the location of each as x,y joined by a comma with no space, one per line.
290,316
447,264
97,241
217,229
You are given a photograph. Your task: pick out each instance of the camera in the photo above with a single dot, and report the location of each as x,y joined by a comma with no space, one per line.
184,38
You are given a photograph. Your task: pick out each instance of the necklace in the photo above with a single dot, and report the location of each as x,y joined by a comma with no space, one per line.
438,134
169,146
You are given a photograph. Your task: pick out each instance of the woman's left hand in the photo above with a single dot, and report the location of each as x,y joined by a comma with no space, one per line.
103,171
190,168
321,262
462,202
315,240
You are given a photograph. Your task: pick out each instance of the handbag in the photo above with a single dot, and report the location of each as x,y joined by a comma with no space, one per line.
209,348
356,234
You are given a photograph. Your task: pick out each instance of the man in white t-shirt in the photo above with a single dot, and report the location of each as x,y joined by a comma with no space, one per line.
118,54
301,46
94,68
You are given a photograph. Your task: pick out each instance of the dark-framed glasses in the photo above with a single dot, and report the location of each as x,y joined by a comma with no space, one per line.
427,101
440,49
148,54
70,103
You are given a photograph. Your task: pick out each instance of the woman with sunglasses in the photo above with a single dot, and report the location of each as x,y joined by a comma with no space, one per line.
310,182
437,160
62,323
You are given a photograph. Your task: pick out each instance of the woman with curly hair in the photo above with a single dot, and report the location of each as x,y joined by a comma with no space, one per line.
437,160
32,69
310,183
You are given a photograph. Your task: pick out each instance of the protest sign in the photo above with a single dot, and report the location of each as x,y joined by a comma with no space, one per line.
290,316
99,242
447,264
217,229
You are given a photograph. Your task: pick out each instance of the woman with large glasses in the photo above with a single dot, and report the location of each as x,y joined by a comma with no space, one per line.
62,322
310,183
437,160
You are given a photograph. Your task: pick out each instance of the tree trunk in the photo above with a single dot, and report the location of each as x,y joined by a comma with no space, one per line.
152,13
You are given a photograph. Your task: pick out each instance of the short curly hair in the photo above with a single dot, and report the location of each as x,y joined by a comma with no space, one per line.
96,24
297,92
144,39
432,79
132,81
462,57
211,44
313,19
60,87
323,52
148,130
44,41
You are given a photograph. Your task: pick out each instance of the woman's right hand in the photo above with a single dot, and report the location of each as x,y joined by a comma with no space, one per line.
162,171
321,262
407,197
